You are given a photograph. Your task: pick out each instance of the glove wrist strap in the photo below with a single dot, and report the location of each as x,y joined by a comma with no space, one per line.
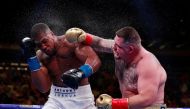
87,70
120,103
88,40
33,64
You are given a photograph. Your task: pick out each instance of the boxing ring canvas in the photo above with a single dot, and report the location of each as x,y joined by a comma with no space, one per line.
21,106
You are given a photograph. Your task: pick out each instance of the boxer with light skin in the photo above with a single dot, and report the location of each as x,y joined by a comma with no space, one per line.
61,67
140,75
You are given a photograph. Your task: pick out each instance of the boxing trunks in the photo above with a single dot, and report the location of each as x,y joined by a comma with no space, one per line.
67,98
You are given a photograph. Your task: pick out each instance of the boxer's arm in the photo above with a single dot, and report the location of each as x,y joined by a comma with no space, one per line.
100,44
39,74
91,64
148,84
88,56
40,78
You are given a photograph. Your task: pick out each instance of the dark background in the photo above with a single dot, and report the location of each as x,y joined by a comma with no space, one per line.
162,24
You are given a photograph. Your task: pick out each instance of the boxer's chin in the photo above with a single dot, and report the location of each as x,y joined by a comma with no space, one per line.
116,56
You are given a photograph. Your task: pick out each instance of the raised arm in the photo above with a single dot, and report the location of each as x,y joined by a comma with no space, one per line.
98,43
39,73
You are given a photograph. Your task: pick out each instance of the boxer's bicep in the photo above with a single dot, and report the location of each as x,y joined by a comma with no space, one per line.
148,81
148,84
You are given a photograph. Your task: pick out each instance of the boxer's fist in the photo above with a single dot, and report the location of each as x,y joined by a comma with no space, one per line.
104,101
28,47
72,78
75,35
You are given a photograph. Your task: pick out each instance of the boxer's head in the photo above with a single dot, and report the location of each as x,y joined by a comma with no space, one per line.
127,42
129,34
44,38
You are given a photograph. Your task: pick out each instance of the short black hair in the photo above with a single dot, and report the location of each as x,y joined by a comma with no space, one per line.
129,34
39,28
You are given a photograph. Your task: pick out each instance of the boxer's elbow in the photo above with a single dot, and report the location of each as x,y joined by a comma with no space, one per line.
43,90
43,87
147,100
97,65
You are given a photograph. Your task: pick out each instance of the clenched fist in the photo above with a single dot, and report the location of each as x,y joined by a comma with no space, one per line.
75,35
104,101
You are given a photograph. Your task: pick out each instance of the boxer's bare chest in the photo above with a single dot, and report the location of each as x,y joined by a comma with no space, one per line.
127,77
129,80
65,59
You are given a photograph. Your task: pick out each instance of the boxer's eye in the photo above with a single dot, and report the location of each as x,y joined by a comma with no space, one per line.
117,46
44,41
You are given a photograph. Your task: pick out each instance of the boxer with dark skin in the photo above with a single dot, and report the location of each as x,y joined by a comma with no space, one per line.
61,65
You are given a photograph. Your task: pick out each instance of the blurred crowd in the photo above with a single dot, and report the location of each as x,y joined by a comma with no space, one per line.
177,91
16,86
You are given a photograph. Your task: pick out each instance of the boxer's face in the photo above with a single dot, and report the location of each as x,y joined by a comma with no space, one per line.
121,50
45,42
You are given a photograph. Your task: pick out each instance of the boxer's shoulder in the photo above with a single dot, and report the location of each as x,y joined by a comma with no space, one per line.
62,37
64,42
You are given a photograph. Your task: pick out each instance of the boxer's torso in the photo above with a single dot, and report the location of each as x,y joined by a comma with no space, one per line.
64,60
128,79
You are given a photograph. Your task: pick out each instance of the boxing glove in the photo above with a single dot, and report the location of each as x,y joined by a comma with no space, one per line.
30,54
105,101
72,77
78,35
